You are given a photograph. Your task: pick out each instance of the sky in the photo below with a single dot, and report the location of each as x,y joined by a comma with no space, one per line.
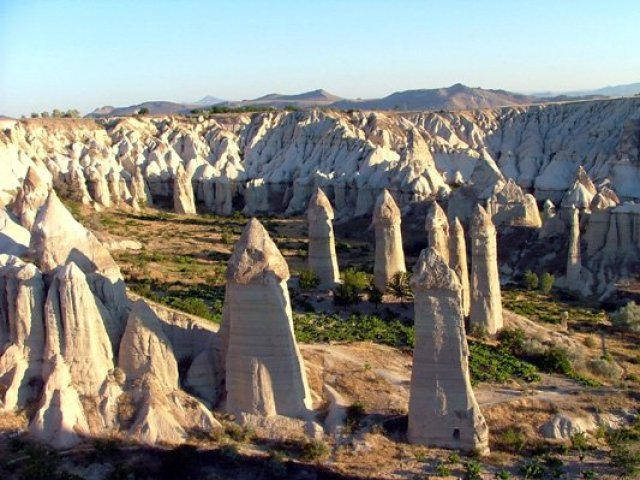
85,54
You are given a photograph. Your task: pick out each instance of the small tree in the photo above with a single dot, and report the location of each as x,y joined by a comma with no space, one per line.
143,111
56,113
45,115
627,318
354,282
308,280
399,286
34,115
530,280
546,282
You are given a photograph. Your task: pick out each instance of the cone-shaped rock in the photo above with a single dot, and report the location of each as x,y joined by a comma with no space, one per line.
574,263
139,188
145,349
183,197
14,238
21,331
76,330
264,369
30,198
58,238
443,411
99,187
60,418
458,262
437,227
389,256
322,249
486,300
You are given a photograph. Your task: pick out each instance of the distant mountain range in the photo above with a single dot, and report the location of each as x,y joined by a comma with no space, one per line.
627,90
455,97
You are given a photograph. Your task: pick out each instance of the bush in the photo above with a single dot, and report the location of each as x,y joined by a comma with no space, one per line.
512,440
606,368
546,282
513,340
399,286
308,280
315,450
442,470
472,469
375,295
530,280
354,283
555,360
355,413
627,318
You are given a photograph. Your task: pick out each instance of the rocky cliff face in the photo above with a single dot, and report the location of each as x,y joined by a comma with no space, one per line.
272,161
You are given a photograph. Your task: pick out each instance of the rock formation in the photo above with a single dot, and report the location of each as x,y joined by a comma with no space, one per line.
264,370
22,334
486,300
511,206
389,256
139,188
574,262
162,412
30,198
98,187
458,263
437,227
443,411
183,200
14,238
322,250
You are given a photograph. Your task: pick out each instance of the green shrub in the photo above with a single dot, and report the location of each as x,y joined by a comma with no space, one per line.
489,363
555,360
375,295
627,318
546,282
308,280
530,280
513,340
354,282
532,469
399,286
238,433
606,368
315,450
472,469
192,305
512,440
442,470
503,474
478,331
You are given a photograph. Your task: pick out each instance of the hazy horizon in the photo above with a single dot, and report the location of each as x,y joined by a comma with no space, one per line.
72,54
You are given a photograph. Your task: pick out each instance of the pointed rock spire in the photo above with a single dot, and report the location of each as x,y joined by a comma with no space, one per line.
443,411
486,301
574,262
264,369
437,227
389,256
30,198
458,262
322,250
183,197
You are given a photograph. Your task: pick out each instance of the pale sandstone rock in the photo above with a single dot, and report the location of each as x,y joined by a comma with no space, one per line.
552,224
389,256
443,411
511,206
30,198
139,188
486,301
163,413
113,183
60,420
322,250
264,369
57,238
458,262
183,199
144,348
76,330
574,262
14,238
437,227
98,187
22,333
563,426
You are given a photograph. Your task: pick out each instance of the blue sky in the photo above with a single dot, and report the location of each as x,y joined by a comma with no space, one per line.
85,54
